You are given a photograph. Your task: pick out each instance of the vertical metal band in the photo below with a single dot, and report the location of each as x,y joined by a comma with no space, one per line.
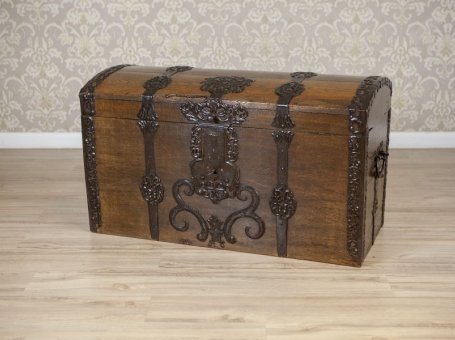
88,111
358,116
282,201
152,189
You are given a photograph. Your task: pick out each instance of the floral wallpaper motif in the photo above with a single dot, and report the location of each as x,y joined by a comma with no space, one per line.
49,49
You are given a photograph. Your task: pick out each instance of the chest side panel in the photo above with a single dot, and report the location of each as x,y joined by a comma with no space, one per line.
376,163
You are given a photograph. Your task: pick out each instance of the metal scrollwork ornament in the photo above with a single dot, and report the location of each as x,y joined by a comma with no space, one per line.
214,174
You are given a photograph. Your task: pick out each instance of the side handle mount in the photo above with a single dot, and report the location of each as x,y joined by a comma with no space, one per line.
378,171
380,161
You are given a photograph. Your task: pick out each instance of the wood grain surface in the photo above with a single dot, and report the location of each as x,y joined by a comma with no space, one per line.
60,281
332,93
317,174
317,169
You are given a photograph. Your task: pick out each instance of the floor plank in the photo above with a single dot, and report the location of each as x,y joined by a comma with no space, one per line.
59,281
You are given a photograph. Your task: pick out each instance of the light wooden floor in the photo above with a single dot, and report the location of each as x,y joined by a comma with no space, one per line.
59,281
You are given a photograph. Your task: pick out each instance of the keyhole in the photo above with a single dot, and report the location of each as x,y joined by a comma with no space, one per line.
215,172
216,120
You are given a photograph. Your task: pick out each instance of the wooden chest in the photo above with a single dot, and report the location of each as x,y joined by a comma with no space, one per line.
284,164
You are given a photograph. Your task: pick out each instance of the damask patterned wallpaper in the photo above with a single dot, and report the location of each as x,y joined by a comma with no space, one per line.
49,49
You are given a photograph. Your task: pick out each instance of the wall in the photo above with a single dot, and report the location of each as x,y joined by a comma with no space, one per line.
49,49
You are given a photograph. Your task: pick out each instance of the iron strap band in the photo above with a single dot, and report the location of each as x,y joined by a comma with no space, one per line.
151,188
88,111
282,201
358,112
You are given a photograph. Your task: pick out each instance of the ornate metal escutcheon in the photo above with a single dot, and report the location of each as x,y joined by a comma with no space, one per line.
214,174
